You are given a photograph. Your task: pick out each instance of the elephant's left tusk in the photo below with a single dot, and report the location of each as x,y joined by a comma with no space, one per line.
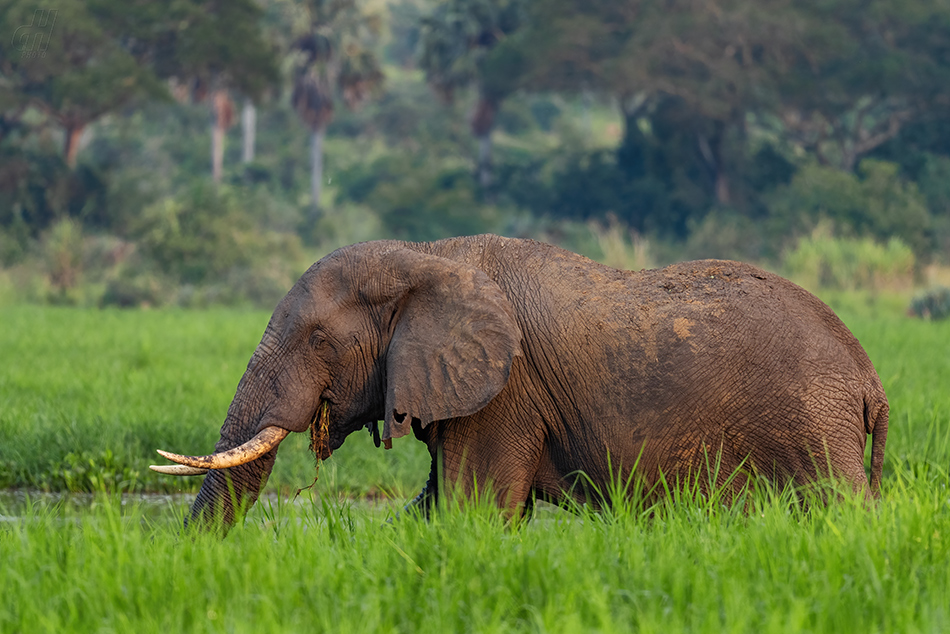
265,440
177,469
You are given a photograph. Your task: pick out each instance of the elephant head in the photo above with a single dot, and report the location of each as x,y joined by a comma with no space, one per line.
376,331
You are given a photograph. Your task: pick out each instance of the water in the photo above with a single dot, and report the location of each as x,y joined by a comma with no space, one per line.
14,504
153,507
157,508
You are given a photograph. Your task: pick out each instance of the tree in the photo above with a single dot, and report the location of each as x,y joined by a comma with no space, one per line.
219,47
713,63
333,56
82,60
64,63
878,66
460,47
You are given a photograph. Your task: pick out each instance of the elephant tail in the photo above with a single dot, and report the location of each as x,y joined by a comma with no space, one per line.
875,423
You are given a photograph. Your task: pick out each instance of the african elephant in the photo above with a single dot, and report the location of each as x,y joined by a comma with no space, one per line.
522,365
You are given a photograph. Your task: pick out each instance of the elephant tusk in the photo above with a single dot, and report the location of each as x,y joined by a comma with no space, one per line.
265,440
177,469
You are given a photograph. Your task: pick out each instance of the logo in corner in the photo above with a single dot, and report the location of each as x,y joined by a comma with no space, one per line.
32,40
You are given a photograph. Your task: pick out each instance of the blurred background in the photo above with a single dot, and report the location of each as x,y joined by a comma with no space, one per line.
199,152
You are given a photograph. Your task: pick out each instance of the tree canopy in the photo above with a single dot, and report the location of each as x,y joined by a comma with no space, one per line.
670,117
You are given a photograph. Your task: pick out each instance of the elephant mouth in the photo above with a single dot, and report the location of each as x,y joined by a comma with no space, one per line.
320,443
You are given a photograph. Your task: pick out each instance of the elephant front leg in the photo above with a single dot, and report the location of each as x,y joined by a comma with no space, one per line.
428,498
488,470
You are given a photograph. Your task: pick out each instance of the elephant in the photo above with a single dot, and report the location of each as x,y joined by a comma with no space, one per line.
524,367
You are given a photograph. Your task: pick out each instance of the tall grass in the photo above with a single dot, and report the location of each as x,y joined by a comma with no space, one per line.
324,566
825,261
88,395
104,388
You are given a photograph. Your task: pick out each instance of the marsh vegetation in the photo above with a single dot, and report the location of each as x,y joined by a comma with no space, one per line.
90,394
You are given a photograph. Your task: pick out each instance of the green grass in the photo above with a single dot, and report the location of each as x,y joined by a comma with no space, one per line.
88,396
331,567
107,388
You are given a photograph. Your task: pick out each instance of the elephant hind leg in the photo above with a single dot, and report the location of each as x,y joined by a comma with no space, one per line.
839,459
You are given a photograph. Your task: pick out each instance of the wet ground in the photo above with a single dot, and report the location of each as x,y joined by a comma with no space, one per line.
14,504
156,507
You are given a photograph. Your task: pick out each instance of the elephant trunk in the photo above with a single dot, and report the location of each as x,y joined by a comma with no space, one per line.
227,493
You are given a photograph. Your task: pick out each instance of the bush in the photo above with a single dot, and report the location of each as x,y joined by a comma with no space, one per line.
420,200
219,244
62,248
622,247
824,261
727,234
933,304
874,203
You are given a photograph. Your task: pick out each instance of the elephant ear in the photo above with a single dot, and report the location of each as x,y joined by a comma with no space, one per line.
452,344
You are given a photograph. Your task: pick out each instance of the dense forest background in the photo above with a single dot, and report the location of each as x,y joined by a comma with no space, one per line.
194,152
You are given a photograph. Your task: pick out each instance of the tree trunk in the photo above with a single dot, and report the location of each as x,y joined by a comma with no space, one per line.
316,168
222,113
483,120
248,128
713,152
723,197
217,152
484,161
71,148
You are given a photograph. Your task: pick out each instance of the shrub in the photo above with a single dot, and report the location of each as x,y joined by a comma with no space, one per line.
62,248
727,234
622,248
420,200
824,261
875,203
220,245
933,304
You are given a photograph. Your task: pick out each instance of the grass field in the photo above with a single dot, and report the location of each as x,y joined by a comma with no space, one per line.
87,396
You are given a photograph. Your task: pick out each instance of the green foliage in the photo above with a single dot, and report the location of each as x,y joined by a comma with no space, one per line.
933,304
420,200
62,249
37,189
87,472
824,261
622,249
317,565
229,240
459,46
876,203
68,62
727,234
721,146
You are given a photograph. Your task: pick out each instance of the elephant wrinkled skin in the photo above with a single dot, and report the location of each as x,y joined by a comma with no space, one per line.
522,365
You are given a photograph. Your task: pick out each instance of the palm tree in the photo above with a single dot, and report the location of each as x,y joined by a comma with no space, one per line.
458,41
332,57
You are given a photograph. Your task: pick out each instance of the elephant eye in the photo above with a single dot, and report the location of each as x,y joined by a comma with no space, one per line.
316,338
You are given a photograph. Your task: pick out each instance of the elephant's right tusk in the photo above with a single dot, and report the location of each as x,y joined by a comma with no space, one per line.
265,440
177,469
